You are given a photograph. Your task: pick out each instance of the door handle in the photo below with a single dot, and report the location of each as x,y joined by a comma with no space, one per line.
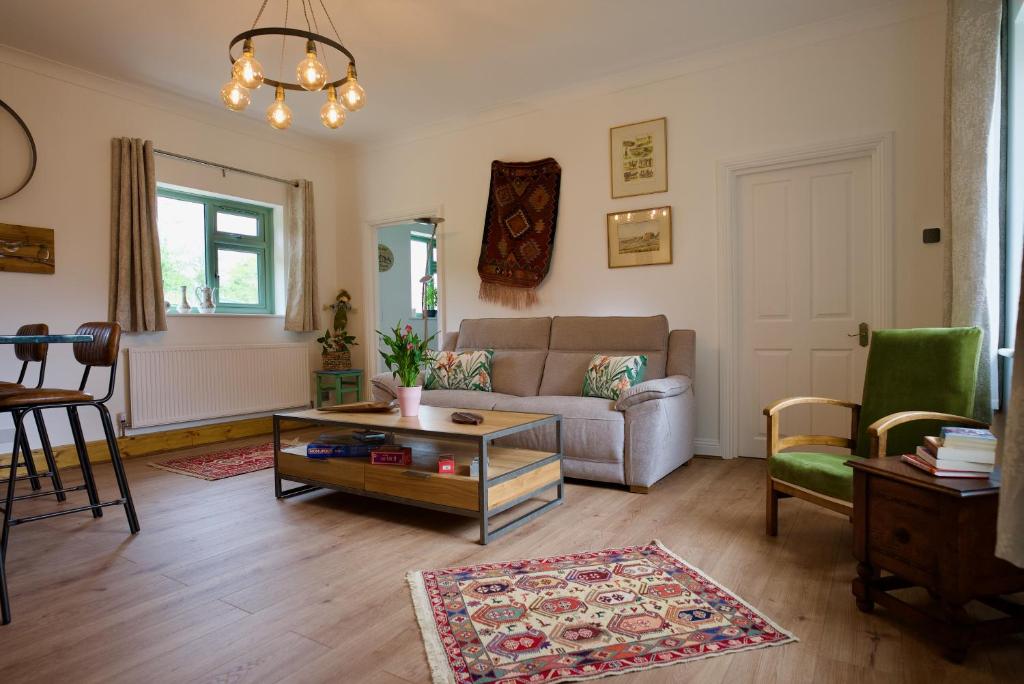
863,331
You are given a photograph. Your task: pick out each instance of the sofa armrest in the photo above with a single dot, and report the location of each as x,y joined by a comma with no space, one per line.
649,390
385,386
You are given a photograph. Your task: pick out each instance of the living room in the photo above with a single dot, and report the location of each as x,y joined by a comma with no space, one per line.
420,372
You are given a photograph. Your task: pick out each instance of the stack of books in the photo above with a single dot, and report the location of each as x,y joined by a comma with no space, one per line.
354,445
956,452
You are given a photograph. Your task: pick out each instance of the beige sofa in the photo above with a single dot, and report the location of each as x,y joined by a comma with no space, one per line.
538,366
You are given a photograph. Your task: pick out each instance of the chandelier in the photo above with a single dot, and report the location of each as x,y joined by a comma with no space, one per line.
311,74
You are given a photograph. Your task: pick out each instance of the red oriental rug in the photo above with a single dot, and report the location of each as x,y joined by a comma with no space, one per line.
221,464
579,616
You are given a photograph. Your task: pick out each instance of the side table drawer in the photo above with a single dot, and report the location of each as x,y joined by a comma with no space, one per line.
903,534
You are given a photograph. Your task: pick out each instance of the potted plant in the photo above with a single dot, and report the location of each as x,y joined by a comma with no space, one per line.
336,342
405,357
430,299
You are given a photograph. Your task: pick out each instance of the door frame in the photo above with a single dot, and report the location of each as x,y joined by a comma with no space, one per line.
370,284
878,149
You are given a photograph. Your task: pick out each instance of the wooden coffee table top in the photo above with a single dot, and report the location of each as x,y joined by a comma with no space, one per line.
431,420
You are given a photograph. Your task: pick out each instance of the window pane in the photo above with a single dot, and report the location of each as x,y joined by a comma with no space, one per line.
237,224
182,229
239,277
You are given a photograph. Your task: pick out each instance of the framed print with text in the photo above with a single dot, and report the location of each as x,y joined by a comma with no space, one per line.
639,163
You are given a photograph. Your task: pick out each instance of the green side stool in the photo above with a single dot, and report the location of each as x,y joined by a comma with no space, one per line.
340,383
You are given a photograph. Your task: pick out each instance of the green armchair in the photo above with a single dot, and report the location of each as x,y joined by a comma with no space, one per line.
916,381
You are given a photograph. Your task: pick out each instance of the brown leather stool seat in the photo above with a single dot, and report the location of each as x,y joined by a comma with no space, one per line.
41,395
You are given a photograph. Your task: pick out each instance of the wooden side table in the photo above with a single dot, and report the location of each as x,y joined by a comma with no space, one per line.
338,382
935,533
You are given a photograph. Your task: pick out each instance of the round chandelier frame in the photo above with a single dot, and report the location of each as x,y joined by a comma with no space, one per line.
284,31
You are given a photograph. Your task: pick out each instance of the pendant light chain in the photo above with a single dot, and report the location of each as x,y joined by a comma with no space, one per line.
260,13
331,21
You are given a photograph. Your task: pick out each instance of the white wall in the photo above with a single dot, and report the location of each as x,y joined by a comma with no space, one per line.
73,115
865,75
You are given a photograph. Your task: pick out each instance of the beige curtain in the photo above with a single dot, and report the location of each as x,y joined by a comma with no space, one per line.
136,297
302,310
972,161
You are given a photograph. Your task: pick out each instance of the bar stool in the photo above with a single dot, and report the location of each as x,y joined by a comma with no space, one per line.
34,353
101,352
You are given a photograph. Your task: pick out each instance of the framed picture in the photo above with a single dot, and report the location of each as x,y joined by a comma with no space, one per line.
639,165
640,238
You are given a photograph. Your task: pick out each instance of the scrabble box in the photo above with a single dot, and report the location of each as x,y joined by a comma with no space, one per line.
391,455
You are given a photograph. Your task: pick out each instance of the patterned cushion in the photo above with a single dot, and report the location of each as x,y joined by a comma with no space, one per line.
608,376
468,370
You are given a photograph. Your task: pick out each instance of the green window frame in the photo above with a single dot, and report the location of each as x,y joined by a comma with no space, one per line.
261,244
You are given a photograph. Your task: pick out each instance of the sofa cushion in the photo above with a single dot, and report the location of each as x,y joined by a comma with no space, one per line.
576,339
517,371
468,370
467,399
823,473
504,333
609,376
592,430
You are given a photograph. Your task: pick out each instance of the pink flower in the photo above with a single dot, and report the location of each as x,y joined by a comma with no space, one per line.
408,329
409,346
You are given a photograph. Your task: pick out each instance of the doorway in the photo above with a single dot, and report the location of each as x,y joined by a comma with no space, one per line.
406,255
809,253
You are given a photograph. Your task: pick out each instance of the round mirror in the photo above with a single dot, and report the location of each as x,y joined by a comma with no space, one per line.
18,160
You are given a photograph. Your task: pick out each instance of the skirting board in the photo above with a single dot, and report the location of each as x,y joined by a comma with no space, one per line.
155,442
706,447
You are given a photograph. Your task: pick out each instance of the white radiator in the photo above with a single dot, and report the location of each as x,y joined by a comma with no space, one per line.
181,384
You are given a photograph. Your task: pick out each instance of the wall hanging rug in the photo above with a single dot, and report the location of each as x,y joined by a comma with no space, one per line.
579,616
519,231
220,464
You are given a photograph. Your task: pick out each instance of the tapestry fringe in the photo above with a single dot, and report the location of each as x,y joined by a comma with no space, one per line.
512,297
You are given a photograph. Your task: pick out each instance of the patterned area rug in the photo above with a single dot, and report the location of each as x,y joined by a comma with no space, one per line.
579,616
221,464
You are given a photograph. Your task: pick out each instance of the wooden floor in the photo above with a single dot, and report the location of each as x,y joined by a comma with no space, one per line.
226,584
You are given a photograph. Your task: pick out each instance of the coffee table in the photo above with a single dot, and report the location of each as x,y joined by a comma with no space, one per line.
508,476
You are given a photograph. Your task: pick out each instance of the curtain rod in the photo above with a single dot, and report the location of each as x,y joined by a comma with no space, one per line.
224,167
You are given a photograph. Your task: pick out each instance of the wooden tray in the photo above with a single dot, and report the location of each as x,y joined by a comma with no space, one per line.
362,407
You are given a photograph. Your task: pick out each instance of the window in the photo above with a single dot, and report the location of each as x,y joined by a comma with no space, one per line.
224,244
418,245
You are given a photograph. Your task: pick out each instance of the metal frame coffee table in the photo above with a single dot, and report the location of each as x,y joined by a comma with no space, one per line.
508,476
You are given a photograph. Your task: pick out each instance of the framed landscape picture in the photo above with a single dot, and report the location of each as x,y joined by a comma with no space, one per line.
640,238
639,165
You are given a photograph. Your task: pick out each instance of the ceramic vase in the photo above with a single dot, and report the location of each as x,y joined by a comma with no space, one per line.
409,401
184,307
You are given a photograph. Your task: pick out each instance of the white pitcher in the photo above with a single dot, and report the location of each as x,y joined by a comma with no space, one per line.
205,296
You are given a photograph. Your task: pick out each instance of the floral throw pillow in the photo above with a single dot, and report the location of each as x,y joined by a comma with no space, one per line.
609,376
468,370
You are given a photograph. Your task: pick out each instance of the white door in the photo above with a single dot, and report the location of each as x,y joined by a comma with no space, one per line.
805,274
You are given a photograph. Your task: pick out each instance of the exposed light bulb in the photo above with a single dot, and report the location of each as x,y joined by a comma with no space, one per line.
279,115
352,94
246,69
332,114
310,73
235,96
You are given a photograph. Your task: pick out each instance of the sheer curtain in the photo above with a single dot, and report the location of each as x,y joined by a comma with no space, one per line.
136,296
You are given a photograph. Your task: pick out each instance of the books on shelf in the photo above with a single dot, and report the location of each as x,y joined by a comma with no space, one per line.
915,461
339,445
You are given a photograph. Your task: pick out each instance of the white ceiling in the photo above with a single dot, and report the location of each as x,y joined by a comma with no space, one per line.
422,62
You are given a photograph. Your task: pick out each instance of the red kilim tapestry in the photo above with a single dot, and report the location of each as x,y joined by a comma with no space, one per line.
519,231
221,464
579,616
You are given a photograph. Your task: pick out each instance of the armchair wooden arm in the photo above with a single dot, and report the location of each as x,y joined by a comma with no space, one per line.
878,431
774,443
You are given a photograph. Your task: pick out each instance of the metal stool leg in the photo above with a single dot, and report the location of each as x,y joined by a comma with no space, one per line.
83,460
5,600
30,464
51,462
12,480
115,459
